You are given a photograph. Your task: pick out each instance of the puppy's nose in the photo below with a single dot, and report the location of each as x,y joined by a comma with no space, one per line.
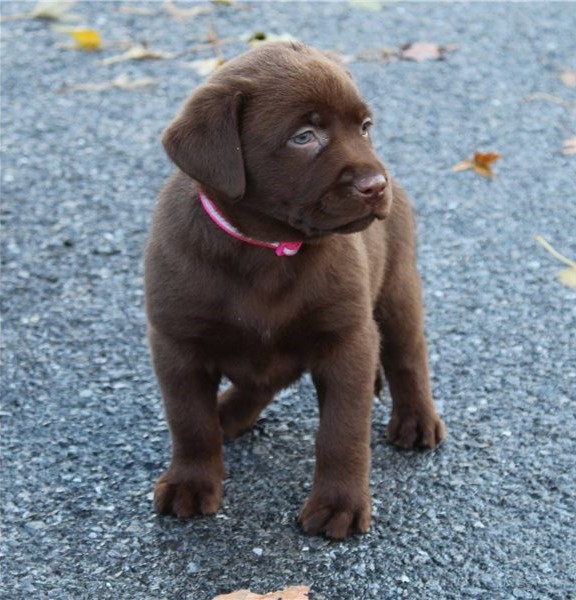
371,186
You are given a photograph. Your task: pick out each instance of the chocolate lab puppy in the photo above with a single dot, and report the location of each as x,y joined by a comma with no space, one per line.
282,245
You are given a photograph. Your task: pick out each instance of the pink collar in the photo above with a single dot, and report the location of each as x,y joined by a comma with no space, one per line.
281,248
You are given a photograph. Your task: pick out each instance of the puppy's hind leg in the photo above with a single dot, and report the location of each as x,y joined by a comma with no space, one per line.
239,409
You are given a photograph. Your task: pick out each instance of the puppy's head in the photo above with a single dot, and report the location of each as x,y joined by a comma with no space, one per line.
282,132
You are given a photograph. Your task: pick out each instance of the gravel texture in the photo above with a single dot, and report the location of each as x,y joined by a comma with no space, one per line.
490,515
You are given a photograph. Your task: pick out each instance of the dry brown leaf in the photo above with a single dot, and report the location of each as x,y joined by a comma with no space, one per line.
185,13
568,78
122,82
299,592
422,51
481,163
569,146
138,52
565,276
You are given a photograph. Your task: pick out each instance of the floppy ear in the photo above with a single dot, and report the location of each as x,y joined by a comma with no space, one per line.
204,140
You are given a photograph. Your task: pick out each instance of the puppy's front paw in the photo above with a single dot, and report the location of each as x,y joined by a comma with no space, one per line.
187,497
425,431
336,515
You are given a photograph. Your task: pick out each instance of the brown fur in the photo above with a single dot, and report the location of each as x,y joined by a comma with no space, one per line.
346,303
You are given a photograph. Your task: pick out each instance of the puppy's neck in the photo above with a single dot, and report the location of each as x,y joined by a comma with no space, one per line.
281,248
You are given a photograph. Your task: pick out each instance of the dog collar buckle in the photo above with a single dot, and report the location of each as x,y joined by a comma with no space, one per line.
281,248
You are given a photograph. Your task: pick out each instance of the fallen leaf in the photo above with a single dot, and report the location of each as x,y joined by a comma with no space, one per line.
422,51
122,82
481,163
565,276
258,38
139,52
568,78
49,10
569,146
206,66
238,595
379,54
86,39
185,13
52,10
568,276
290,593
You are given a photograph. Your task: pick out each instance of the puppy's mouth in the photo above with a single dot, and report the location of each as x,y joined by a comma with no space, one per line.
352,226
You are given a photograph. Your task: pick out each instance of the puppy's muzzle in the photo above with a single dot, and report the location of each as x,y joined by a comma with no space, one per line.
370,188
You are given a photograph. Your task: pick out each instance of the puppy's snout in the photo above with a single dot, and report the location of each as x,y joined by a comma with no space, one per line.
371,186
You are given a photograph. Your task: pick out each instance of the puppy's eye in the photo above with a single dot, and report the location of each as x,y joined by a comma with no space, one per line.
366,127
303,137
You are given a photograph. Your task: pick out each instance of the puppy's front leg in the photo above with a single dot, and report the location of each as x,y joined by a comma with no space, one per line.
414,422
193,483
339,504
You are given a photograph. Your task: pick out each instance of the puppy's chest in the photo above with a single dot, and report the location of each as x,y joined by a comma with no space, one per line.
265,347
259,326
256,322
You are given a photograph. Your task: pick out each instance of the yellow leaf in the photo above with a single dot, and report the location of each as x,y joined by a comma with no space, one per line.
86,39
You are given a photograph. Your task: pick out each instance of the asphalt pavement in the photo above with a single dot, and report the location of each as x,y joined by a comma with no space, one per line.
490,514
